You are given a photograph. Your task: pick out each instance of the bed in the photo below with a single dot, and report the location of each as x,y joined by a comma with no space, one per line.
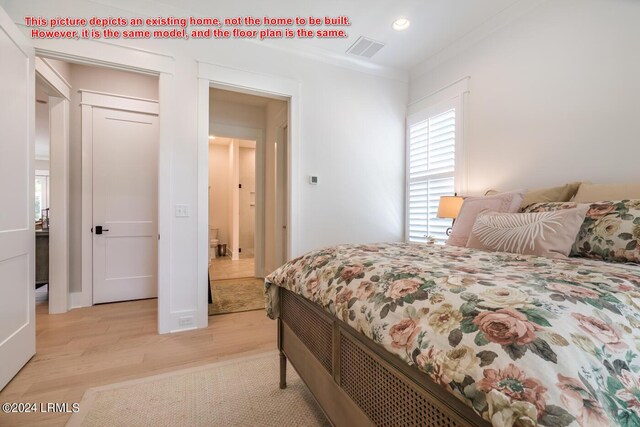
402,334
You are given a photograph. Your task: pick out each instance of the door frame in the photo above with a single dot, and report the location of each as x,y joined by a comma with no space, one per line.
90,99
59,104
129,58
214,75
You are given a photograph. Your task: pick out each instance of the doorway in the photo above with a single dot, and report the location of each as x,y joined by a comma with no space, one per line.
42,190
247,196
52,93
232,205
96,165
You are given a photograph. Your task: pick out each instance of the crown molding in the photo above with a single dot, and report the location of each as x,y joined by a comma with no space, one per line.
148,8
492,25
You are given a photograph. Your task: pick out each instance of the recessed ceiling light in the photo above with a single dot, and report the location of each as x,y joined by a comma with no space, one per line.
401,24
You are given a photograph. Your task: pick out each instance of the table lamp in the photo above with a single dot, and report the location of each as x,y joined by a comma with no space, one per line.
449,207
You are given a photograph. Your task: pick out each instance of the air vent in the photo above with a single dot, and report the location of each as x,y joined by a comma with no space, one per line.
365,47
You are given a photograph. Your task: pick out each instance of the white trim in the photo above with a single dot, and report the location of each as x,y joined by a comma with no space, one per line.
454,96
76,300
59,91
313,53
15,35
443,94
165,197
281,87
52,77
500,20
234,210
86,292
202,263
235,79
59,205
103,53
141,61
118,102
248,80
90,100
456,93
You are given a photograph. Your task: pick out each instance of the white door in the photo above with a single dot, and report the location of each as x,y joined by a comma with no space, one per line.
17,192
125,238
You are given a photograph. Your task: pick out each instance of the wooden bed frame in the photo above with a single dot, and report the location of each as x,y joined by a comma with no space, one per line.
355,381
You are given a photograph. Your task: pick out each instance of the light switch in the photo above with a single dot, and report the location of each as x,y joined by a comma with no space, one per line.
182,211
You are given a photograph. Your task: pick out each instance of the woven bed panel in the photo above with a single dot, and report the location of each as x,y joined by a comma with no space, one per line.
382,395
314,331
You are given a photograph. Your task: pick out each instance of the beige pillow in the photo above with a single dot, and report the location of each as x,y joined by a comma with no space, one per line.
563,193
589,193
472,206
549,234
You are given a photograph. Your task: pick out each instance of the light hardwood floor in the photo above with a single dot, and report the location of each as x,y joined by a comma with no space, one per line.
225,268
111,343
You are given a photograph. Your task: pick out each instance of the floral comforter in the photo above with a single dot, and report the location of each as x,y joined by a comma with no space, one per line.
523,340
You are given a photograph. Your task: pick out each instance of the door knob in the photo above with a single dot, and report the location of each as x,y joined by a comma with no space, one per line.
99,229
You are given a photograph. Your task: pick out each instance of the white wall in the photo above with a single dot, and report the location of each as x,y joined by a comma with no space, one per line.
102,80
219,190
42,131
351,136
553,97
234,114
275,115
247,169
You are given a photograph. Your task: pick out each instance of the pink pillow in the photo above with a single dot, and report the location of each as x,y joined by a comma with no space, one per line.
472,206
549,234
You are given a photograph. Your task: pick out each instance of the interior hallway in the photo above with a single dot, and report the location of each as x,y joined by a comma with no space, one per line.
110,343
224,268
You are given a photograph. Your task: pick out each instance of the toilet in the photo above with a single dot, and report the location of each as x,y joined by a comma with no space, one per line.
213,242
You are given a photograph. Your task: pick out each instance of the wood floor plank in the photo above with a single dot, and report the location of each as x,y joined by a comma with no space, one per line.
225,268
111,343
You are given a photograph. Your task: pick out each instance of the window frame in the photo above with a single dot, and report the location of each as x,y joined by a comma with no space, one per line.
423,110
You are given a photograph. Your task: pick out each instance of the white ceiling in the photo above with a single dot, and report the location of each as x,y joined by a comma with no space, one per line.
435,24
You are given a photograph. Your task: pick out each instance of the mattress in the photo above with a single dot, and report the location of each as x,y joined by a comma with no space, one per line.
523,340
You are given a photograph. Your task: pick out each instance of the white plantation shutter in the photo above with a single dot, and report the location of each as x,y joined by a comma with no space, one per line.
431,172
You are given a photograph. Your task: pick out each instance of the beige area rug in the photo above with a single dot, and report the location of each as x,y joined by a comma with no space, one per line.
239,392
234,295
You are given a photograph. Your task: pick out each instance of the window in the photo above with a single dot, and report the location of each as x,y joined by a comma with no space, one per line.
42,192
431,170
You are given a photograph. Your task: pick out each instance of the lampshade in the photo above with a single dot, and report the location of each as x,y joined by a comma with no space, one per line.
449,206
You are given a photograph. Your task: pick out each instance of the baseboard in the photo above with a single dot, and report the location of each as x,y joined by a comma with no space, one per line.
75,300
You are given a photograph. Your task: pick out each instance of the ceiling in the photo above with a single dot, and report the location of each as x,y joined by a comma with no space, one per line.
435,24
